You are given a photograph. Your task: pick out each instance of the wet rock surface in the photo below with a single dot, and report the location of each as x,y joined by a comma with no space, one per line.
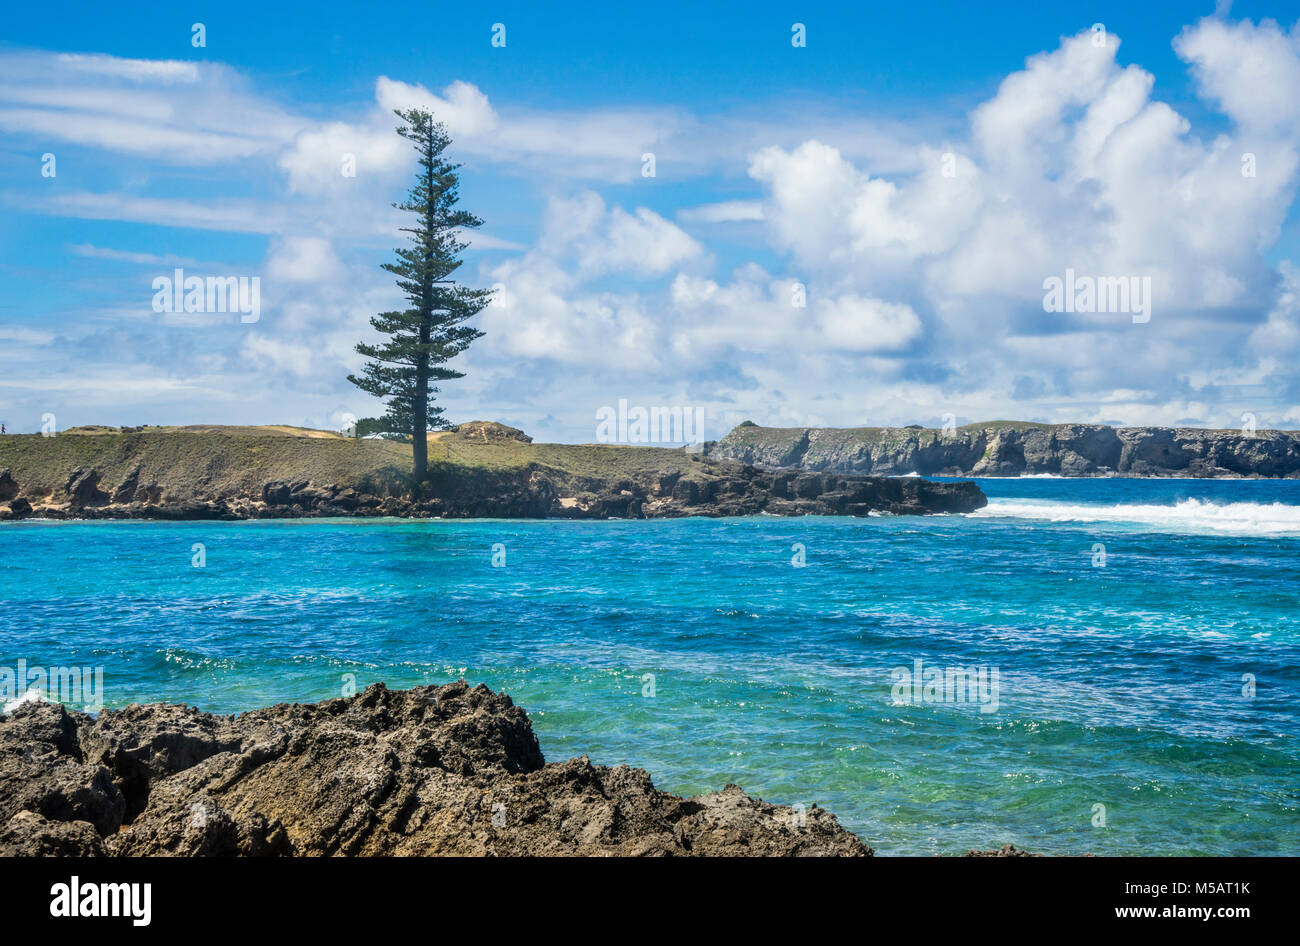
1007,850
431,770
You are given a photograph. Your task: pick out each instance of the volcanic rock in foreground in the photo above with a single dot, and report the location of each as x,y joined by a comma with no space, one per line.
448,770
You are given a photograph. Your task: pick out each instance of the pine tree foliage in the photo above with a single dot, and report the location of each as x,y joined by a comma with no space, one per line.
421,339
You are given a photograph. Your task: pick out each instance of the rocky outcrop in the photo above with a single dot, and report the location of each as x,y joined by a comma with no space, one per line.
734,490
19,508
707,488
83,488
1007,850
433,770
127,489
1010,449
12,506
486,431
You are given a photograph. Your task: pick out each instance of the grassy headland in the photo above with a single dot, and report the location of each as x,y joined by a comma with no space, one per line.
477,470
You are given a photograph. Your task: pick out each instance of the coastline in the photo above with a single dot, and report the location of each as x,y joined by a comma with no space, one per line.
440,770
485,471
448,770
1015,448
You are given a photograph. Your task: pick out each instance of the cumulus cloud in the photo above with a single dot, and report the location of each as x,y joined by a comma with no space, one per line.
920,255
315,162
302,260
859,323
543,308
1073,165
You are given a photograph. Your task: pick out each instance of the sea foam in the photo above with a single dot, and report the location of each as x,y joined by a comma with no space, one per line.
1189,515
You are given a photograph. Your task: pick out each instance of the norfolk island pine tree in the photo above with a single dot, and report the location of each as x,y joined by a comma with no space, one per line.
421,339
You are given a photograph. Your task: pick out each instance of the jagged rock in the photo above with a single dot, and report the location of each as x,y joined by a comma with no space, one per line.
126,489
1003,449
18,508
307,496
184,510
8,487
29,834
276,493
43,769
488,431
1007,850
432,770
83,488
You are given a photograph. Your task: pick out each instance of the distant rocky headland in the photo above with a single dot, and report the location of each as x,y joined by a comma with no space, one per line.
478,470
449,770
1010,448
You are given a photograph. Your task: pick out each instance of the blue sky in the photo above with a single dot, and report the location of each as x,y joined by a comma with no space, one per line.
1115,154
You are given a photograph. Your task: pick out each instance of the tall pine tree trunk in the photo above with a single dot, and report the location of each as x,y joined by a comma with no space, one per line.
420,406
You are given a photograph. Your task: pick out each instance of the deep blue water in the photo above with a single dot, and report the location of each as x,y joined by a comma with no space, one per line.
1123,685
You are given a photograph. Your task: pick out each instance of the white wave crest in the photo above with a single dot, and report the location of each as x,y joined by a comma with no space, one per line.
1189,515
32,695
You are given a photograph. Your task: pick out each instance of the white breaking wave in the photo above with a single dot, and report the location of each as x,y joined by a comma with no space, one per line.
1190,515
32,695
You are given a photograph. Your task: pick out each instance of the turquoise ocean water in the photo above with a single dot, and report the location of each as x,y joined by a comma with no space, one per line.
1163,685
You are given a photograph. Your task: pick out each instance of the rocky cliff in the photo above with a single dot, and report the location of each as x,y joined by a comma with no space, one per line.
1006,448
449,770
480,471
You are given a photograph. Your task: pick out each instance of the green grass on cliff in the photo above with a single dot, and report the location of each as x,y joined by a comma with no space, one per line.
210,460
877,435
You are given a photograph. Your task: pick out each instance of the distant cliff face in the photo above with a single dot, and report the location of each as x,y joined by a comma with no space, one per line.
1011,449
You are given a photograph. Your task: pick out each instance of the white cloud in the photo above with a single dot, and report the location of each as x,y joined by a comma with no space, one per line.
462,107
302,260
1252,71
155,70
923,252
543,311
860,323
90,251
727,211
1071,164
173,112
277,355
236,216
612,240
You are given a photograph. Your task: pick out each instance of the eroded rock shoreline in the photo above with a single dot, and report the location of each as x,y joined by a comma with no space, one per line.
449,770
714,489
439,770
1006,448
